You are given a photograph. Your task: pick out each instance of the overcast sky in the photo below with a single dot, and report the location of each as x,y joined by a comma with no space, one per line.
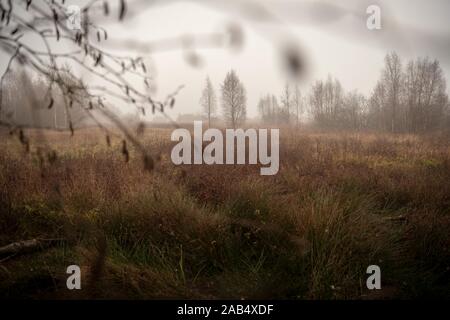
333,39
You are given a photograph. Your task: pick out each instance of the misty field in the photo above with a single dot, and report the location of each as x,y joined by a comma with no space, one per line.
340,202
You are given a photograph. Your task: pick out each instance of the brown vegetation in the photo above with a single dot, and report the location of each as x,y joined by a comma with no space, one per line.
339,203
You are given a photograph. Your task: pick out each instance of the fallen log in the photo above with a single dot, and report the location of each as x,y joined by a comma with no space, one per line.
26,246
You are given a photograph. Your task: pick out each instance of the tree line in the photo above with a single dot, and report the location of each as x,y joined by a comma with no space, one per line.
233,98
408,97
31,100
234,103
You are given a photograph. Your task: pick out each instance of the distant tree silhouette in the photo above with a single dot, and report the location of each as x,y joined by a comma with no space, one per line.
392,79
298,104
291,105
234,100
326,101
411,99
269,109
353,111
208,100
287,102
425,96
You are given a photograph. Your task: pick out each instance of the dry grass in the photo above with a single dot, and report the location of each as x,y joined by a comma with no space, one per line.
339,203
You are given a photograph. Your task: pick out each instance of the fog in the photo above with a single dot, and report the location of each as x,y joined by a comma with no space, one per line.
332,38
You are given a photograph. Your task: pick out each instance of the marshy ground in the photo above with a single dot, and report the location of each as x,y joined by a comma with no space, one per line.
339,203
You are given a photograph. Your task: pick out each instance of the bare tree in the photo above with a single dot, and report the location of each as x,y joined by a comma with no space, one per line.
269,109
298,103
234,100
264,109
425,94
392,80
326,100
352,115
286,102
208,100
411,100
316,101
377,117
333,98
